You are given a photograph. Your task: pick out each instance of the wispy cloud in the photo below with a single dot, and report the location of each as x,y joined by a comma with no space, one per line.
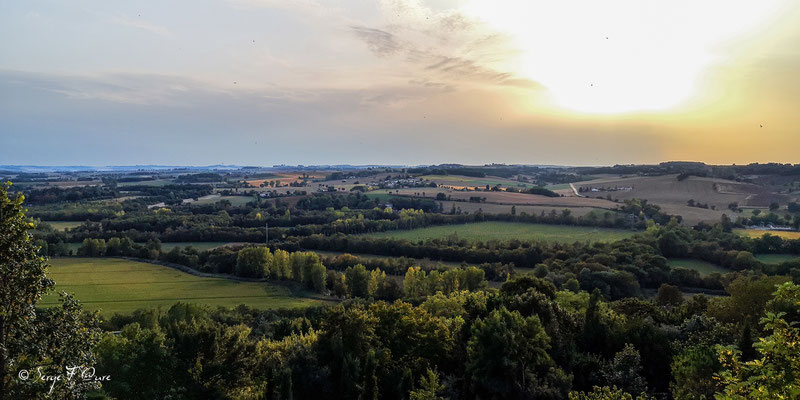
380,42
138,23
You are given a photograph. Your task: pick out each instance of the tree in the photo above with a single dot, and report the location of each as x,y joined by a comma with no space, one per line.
357,279
53,339
281,266
625,371
500,365
317,281
669,295
774,206
429,387
693,372
140,361
776,375
253,262
605,393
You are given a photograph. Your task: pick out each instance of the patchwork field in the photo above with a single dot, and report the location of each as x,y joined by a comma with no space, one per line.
703,267
114,285
483,231
758,233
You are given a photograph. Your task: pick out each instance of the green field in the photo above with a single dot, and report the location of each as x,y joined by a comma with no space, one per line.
63,225
114,285
483,231
235,200
704,268
776,258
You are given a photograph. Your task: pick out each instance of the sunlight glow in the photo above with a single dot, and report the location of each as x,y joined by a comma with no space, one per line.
620,56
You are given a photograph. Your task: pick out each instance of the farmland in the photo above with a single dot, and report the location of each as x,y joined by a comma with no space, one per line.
114,285
503,197
703,267
213,198
754,233
458,181
673,194
483,231
63,225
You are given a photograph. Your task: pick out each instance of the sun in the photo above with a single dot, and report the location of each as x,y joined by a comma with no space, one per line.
621,56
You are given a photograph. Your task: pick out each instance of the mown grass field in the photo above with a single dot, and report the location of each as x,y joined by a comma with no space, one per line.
704,268
483,231
776,258
213,199
755,233
114,285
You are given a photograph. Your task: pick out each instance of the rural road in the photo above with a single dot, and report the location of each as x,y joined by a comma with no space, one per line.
575,190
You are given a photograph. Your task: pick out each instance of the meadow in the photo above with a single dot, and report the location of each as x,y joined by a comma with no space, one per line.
64,225
114,285
483,231
703,267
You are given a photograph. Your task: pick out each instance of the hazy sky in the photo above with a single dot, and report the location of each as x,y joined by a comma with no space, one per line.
262,82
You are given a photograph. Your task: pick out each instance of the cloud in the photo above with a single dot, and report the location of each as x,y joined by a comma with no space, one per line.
138,23
381,43
445,46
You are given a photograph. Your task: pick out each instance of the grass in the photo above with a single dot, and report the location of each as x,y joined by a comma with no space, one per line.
114,285
484,231
64,225
703,267
235,200
757,233
776,258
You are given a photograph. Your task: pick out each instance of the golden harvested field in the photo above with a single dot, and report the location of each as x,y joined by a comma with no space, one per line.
288,177
755,233
672,195
668,189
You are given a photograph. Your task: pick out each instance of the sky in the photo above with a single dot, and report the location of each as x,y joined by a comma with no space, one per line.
408,82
